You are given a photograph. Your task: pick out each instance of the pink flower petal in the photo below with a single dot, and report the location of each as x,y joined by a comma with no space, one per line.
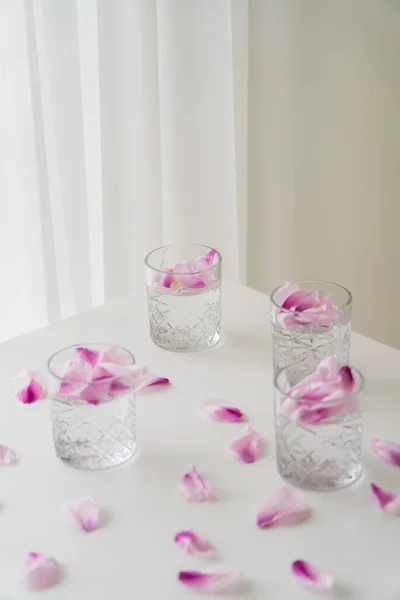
191,543
32,389
283,507
388,502
301,300
125,371
146,379
389,452
209,583
286,290
86,511
90,356
195,488
222,411
8,456
248,446
190,282
312,576
117,356
40,572
168,280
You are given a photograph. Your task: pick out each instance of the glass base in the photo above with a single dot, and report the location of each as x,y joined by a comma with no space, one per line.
184,341
332,480
96,463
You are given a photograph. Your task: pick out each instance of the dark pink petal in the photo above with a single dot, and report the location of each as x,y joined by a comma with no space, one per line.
283,507
40,572
86,512
222,411
96,392
388,502
195,488
389,452
118,387
301,300
286,290
209,257
32,389
168,280
248,446
146,379
312,576
90,356
8,456
76,374
209,583
347,382
192,543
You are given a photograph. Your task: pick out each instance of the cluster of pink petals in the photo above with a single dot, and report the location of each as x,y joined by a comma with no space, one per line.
209,583
327,392
187,275
283,506
192,543
94,376
8,456
219,410
388,502
32,389
40,572
248,447
312,576
86,512
304,307
388,452
195,488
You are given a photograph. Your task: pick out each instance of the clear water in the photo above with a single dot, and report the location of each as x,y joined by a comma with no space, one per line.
94,437
320,457
186,321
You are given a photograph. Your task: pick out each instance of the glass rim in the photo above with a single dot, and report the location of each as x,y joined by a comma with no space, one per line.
208,248
359,388
87,345
322,281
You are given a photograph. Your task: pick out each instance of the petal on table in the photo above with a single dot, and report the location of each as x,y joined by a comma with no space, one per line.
90,356
387,451
283,507
195,488
248,447
8,456
147,379
222,411
86,512
32,389
40,571
312,576
286,290
192,543
209,583
388,502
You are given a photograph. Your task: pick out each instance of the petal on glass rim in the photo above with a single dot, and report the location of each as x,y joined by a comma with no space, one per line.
301,300
283,507
125,371
192,543
387,451
209,583
219,410
90,356
32,389
286,290
388,502
40,572
248,447
312,576
195,488
86,512
117,356
346,378
8,456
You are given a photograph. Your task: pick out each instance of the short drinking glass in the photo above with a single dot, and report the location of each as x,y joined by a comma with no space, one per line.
184,297
310,320
93,414
323,452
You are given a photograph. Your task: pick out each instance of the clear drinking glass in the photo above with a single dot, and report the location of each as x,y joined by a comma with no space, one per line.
296,341
184,296
92,436
320,456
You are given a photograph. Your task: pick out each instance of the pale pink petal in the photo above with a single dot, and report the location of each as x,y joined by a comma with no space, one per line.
40,572
248,447
90,356
388,502
32,389
76,374
222,411
125,371
190,281
283,507
284,292
312,576
328,369
147,379
209,583
86,512
313,413
195,488
389,452
8,456
192,543
116,355
96,392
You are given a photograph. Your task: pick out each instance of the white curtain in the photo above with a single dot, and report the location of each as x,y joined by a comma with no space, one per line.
266,128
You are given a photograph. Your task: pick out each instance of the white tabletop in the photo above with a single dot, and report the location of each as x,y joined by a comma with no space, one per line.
133,557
